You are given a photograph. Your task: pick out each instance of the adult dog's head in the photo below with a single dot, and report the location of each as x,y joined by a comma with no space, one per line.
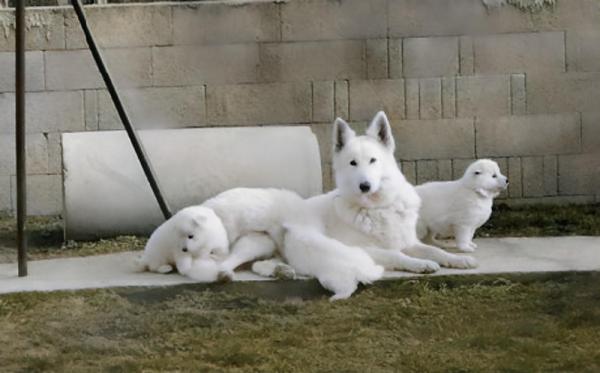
363,164
484,177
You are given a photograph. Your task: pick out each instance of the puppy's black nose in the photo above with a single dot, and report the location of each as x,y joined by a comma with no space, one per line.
184,249
506,181
365,186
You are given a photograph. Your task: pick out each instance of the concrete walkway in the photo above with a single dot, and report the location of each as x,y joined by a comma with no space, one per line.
495,255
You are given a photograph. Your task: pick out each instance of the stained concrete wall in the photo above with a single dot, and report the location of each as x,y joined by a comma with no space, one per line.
459,81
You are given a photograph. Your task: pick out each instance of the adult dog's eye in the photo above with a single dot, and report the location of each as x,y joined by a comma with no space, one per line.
494,176
353,163
191,236
373,160
477,173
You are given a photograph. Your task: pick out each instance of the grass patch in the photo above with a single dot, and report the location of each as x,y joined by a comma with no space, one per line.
547,322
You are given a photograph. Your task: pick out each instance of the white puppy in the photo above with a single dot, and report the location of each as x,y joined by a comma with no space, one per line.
193,233
457,208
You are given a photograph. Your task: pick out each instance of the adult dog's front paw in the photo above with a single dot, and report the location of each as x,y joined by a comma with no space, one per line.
463,262
425,266
465,248
284,272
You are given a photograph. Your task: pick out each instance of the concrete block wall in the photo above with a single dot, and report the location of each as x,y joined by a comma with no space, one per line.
457,80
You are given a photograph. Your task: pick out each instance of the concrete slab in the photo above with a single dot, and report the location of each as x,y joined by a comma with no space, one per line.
107,194
495,255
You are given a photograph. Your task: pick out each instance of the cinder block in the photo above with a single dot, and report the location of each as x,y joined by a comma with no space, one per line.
225,23
377,58
332,19
274,103
55,153
483,95
76,69
122,26
44,194
550,175
409,169
412,98
515,177
470,17
45,29
430,57
444,169
579,174
34,67
342,107
5,194
322,101
515,53
533,176
448,97
182,65
344,59
90,104
590,135
459,166
45,112
426,171
555,93
583,53
434,139
36,154
528,135
157,107
369,96
395,58
467,58
323,131
430,98
518,94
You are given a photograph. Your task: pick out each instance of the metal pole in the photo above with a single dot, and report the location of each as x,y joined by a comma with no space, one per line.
20,135
114,95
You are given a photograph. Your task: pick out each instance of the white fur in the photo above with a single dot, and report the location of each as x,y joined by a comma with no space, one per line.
253,220
193,233
458,208
324,235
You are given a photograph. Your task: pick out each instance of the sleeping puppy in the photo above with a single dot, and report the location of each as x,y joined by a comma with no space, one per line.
193,240
457,208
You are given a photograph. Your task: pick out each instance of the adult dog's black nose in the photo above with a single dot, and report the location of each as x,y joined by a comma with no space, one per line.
184,250
365,186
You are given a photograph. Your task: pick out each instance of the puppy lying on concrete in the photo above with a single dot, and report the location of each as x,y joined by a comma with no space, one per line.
457,208
193,240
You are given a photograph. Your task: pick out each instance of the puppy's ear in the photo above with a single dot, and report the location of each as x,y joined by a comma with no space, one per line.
380,129
342,133
198,221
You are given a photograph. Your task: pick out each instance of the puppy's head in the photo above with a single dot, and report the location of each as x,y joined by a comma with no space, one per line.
202,232
362,163
484,177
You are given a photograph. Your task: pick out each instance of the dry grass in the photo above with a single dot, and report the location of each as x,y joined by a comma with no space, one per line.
512,324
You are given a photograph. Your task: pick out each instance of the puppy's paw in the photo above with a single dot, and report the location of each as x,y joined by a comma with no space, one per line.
225,276
284,272
425,266
165,268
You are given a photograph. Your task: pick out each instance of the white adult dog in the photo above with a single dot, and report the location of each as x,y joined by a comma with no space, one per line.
374,209
193,240
458,208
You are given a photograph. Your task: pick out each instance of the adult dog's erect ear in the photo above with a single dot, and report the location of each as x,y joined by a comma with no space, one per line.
380,129
341,134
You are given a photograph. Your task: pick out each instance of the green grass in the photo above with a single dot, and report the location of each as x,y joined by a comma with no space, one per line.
469,324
